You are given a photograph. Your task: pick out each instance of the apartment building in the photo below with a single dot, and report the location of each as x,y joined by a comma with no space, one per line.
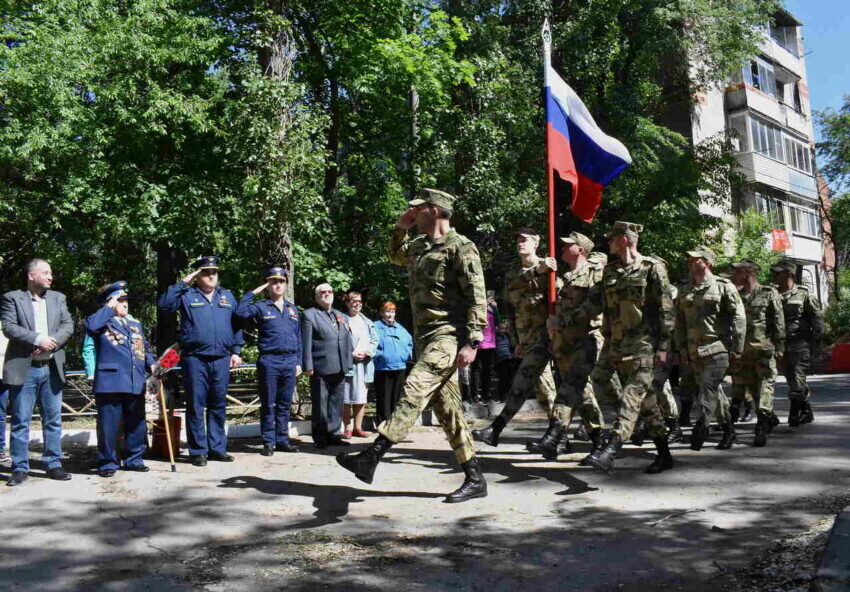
766,112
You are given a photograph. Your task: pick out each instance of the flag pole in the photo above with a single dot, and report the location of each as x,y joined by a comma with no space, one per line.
546,33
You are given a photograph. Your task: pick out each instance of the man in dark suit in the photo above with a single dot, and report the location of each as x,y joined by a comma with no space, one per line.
38,324
327,351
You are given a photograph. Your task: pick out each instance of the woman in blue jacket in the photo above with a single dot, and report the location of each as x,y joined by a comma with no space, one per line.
395,349
123,361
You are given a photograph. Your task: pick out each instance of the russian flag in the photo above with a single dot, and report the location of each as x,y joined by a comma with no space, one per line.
581,153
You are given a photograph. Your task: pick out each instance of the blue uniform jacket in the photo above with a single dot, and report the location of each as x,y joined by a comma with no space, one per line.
124,356
395,347
206,328
279,332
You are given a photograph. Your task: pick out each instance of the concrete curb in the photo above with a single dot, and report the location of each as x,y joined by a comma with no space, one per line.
833,573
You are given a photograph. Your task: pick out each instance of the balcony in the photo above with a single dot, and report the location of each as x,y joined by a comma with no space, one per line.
805,248
758,168
759,102
782,56
796,121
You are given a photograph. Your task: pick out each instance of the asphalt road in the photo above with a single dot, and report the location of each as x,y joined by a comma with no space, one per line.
299,522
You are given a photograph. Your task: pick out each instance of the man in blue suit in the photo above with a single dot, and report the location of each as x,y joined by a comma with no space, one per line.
328,350
123,361
210,344
279,325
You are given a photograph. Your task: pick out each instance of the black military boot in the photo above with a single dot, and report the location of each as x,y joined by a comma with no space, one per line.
558,443
729,436
581,433
534,445
806,414
772,421
748,411
363,464
761,429
490,434
638,433
674,432
599,439
604,459
734,412
698,435
685,413
663,460
474,485
794,413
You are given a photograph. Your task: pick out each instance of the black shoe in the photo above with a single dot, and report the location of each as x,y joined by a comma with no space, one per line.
199,460
136,468
16,478
674,432
761,430
490,434
604,459
267,450
474,485
581,433
58,474
220,457
729,436
286,448
337,441
663,460
599,438
734,412
638,433
806,414
685,413
748,412
363,465
106,473
533,446
794,413
320,444
698,435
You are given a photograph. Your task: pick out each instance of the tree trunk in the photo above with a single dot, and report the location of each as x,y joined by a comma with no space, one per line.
169,263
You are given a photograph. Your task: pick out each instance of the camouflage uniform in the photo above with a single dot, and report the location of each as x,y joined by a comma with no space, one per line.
449,309
578,340
803,330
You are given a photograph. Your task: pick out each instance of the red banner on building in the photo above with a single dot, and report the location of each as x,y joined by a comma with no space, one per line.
780,240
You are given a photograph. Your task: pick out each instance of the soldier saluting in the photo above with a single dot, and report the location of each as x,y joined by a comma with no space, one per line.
449,314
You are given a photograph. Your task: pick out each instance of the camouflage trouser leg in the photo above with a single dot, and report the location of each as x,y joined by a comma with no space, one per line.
664,392
534,368
708,374
576,391
754,375
689,390
636,396
433,380
545,391
798,359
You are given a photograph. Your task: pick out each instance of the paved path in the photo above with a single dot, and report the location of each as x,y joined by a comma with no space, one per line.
299,522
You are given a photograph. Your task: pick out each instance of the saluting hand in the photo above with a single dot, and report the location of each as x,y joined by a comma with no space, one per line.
112,302
259,290
407,219
191,277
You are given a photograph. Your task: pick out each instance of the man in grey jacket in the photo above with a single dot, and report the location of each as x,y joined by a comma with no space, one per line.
38,324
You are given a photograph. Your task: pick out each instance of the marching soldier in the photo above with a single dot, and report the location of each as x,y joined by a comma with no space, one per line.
803,330
449,314
279,364
755,370
575,332
637,323
123,362
526,288
210,344
710,329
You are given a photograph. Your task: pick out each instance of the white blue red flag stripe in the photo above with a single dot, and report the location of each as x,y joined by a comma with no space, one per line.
580,152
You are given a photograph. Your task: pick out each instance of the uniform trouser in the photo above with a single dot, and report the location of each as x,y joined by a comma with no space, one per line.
433,381
276,374
533,371
707,374
689,390
575,391
798,360
754,374
326,396
206,380
111,409
636,398
388,389
664,392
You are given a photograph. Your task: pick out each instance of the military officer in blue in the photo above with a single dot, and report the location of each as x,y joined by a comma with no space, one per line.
123,361
279,326
210,343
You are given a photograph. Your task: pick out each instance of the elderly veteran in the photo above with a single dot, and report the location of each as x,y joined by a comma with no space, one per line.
123,362
211,343
279,324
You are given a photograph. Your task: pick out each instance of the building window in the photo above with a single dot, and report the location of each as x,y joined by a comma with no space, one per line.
798,155
759,74
772,209
804,221
766,139
798,103
784,36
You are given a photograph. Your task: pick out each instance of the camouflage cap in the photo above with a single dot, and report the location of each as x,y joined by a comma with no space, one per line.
578,239
621,228
527,231
786,265
703,252
435,197
747,264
